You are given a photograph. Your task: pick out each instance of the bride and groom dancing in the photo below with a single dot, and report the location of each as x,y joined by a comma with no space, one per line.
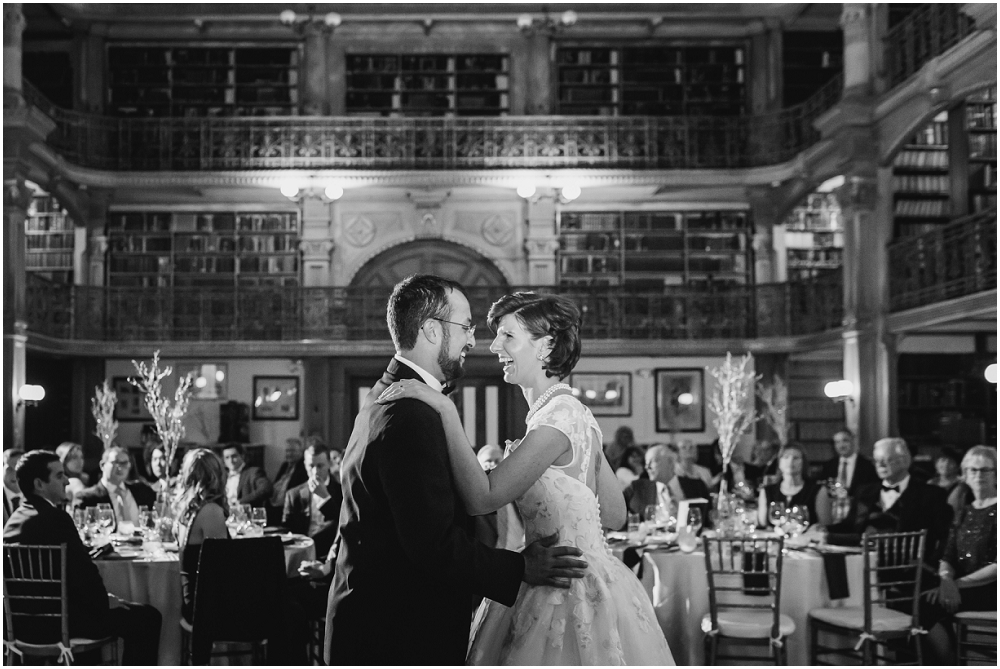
408,565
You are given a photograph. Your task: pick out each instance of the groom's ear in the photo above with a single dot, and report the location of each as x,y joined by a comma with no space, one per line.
429,331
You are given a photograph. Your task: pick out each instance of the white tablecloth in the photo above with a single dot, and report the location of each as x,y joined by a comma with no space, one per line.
677,584
158,582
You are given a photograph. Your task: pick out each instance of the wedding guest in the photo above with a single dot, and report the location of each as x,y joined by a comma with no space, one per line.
946,469
291,473
157,471
489,457
615,451
11,492
244,485
71,456
968,568
793,489
687,463
762,470
851,469
661,488
896,503
313,508
124,496
93,613
633,465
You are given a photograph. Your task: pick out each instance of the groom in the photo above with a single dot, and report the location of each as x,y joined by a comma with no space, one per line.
408,564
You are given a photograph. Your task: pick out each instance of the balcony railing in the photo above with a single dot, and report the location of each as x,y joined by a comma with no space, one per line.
357,314
926,33
313,142
958,259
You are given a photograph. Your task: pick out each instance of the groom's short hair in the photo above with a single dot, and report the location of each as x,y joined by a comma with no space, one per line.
414,300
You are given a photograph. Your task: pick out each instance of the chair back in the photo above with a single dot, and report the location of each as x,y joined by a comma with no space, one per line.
238,594
893,567
35,601
744,573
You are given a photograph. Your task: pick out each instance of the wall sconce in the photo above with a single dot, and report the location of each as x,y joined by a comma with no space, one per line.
329,21
30,395
840,391
991,373
526,22
570,192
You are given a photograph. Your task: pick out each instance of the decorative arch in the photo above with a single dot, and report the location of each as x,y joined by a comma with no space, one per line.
428,256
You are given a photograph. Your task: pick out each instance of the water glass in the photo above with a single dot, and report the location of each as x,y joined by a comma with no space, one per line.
80,521
776,513
634,521
258,517
694,521
649,513
105,520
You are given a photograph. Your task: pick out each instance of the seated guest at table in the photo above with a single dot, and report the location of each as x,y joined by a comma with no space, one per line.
313,508
661,488
201,510
124,496
633,466
71,456
793,489
489,457
851,469
897,503
968,568
687,464
947,473
11,492
762,470
244,485
93,613
615,451
157,472
291,473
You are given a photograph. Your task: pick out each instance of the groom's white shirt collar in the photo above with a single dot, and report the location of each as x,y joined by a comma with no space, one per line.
428,379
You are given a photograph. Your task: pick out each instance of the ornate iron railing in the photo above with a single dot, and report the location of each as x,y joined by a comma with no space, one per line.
958,259
312,142
354,314
926,33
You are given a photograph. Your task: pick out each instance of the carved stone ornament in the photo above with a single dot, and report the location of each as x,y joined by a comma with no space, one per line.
498,229
541,248
853,13
16,194
316,249
360,232
97,246
428,223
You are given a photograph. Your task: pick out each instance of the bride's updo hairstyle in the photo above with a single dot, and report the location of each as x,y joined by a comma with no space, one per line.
544,315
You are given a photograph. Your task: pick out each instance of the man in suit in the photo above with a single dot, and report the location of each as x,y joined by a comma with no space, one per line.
92,612
244,485
851,469
11,493
125,497
291,473
313,508
897,502
662,488
407,565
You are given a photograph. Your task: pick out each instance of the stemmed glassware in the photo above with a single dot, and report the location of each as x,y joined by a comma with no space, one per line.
105,520
258,517
776,514
80,520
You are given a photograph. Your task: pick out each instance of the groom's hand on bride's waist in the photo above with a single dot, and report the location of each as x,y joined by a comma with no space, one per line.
548,564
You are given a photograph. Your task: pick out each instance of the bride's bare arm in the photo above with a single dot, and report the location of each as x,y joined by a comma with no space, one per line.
480,493
609,493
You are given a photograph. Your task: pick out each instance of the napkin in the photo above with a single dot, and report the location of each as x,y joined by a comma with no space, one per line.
632,557
835,566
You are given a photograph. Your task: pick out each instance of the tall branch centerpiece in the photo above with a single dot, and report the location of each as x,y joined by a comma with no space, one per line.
102,406
775,400
732,403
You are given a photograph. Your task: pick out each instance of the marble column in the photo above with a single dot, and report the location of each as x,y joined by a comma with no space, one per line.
856,21
542,242
16,198
314,93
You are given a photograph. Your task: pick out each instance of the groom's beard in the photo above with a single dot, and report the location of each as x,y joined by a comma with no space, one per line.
451,368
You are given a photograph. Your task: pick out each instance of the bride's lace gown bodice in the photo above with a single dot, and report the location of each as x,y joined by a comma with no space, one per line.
605,617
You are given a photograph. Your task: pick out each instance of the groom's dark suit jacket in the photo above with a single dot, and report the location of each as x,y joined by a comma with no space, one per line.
408,564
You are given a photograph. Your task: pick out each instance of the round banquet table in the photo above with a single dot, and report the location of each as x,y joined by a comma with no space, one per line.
677,584
154,577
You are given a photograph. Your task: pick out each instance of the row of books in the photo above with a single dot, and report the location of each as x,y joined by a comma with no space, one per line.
49,260
52,242
981,116
924,159
983,145
983,202
50,223
922,208
920,183
935,133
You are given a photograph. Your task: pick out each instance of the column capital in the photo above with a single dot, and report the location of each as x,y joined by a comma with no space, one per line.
541,248
317,249
13,24
853,14
16,193
97,245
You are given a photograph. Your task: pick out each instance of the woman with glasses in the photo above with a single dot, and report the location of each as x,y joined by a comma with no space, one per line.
968,569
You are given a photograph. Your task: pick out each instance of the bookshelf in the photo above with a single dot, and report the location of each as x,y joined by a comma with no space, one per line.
49,239
465,84
814,237
202,81
695,80
921,183
981,126
650,250
809,60
224,249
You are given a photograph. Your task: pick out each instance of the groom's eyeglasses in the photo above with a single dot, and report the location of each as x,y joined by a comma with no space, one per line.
469,329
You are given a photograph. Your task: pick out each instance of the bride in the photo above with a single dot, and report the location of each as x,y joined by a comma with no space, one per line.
561,482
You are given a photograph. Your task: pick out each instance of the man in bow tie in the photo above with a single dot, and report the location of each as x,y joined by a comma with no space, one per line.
897,502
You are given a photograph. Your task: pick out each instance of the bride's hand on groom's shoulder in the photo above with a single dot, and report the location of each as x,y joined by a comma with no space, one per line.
408,388
547,564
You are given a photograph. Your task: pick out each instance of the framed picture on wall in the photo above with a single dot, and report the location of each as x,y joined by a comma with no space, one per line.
131,405
210,380
680,400
275,398
606,394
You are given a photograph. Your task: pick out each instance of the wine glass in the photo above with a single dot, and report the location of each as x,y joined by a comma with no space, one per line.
776,513
694,520
105,519
143,524
258,517
80,521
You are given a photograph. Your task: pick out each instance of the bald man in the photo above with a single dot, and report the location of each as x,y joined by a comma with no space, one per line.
661,488
897,502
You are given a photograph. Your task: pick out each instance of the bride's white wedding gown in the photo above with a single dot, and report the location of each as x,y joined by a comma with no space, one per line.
604,618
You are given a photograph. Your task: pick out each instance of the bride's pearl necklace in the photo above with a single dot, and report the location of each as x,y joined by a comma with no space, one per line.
544,397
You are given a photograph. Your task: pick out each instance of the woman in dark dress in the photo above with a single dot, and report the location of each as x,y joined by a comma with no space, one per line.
793,489
968,569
